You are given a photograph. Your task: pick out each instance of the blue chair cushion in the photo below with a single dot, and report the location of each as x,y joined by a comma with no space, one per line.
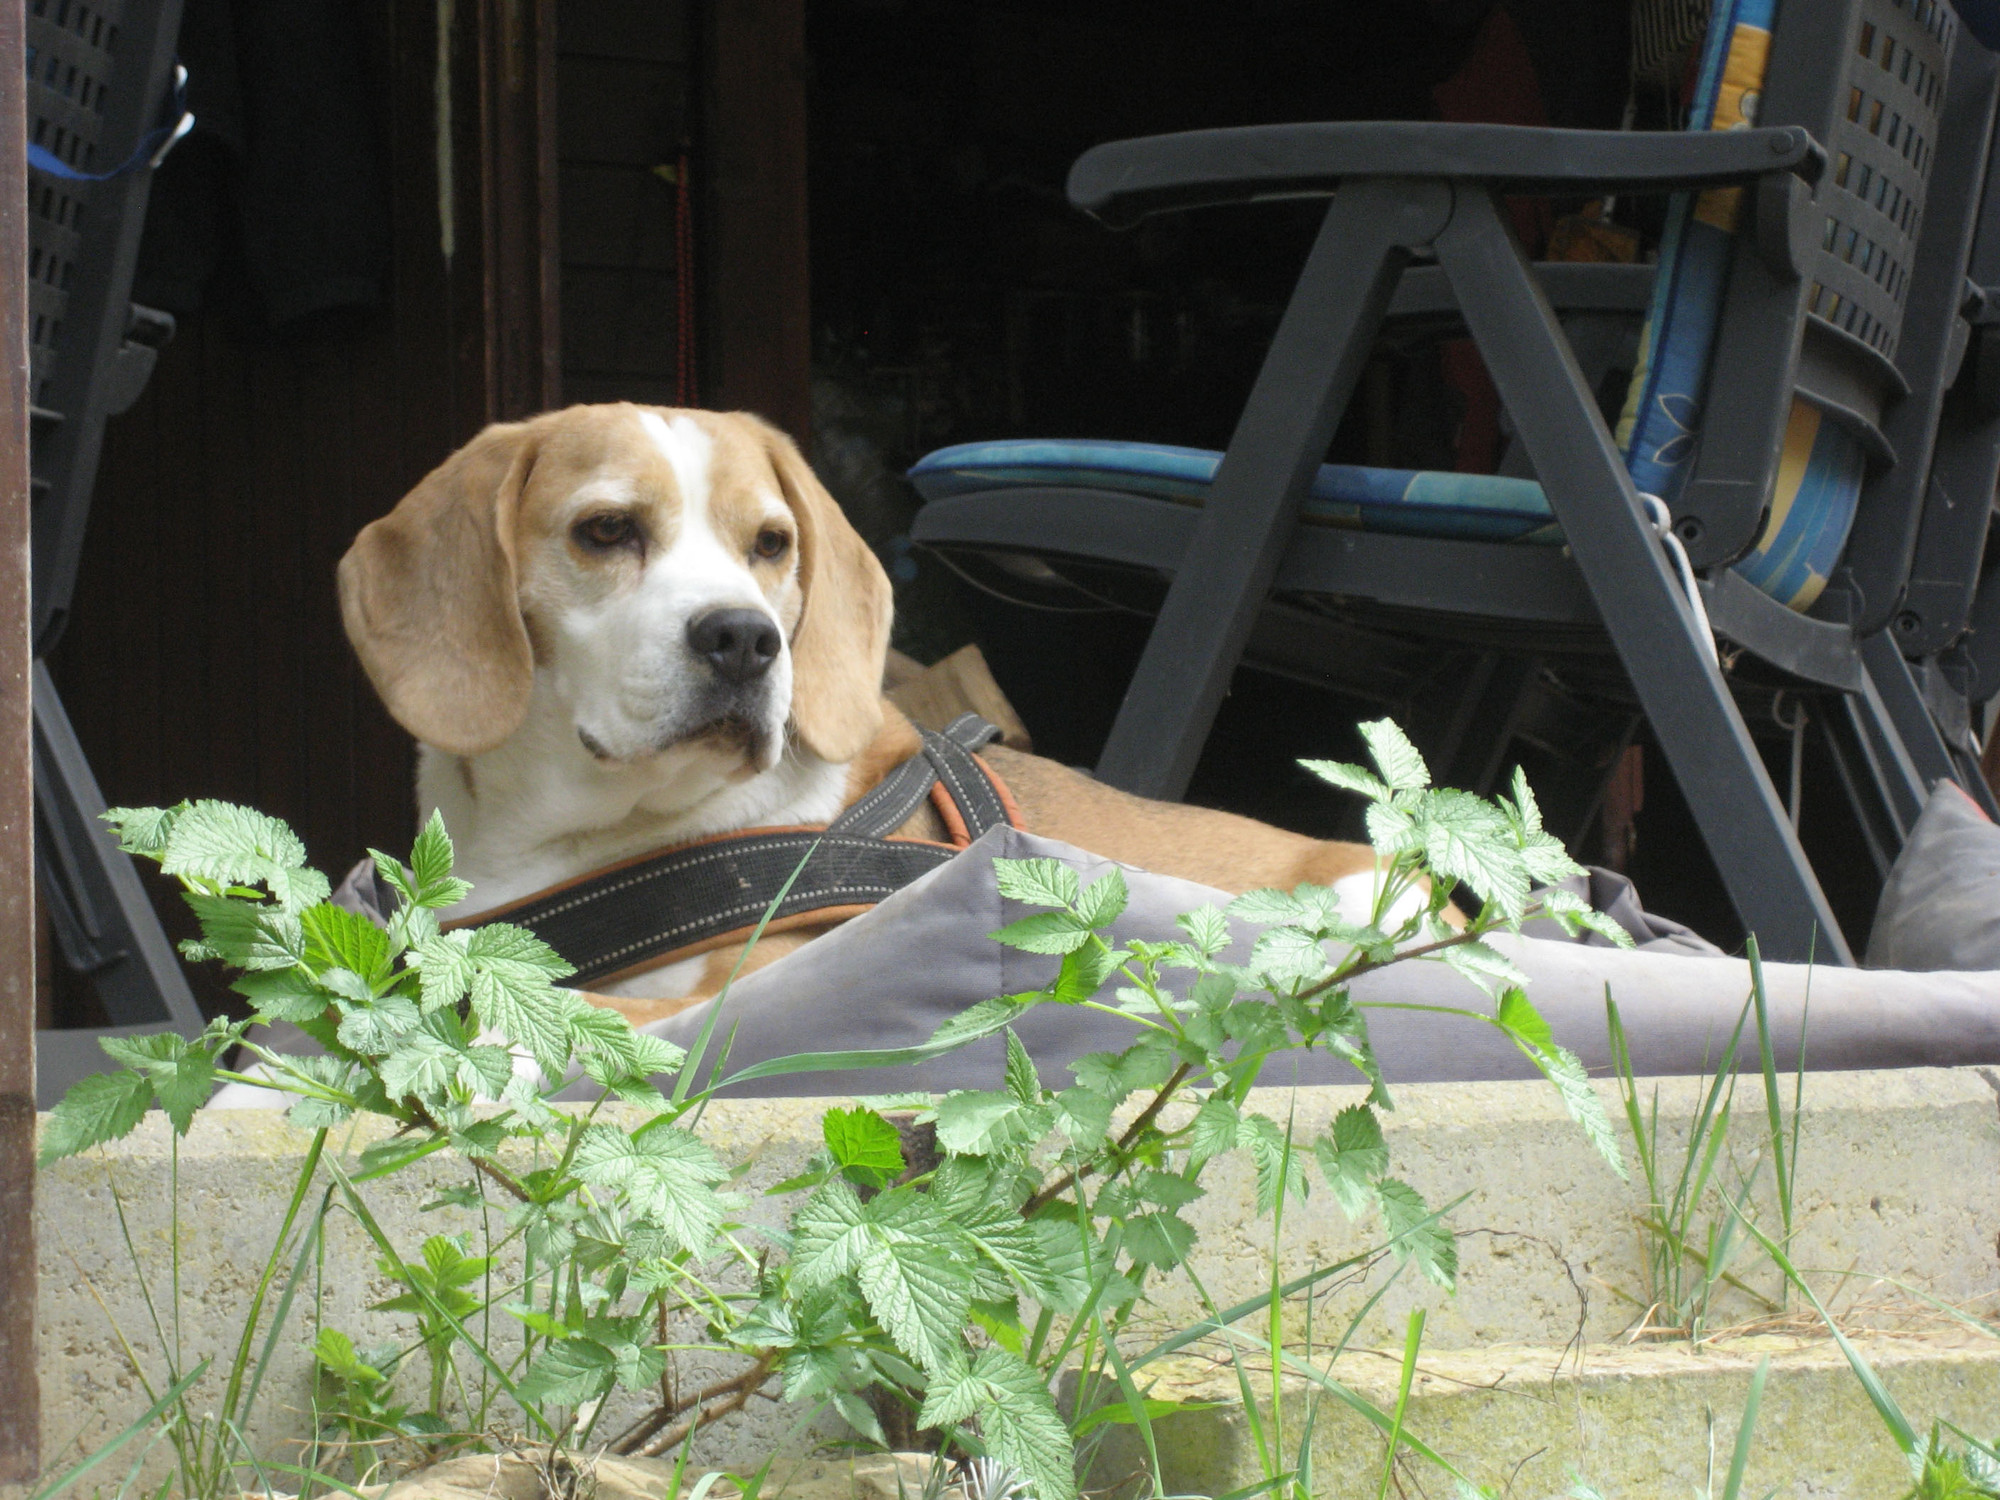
1481,507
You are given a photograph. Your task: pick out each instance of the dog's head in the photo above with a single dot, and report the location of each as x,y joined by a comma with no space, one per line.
674,580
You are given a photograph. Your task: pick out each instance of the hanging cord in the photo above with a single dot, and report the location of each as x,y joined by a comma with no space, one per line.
1663,527
685,390
1796,727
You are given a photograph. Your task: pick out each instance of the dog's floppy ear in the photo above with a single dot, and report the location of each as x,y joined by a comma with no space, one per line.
428,597
842,641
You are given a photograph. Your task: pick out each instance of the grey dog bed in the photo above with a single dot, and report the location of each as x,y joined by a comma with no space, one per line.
890,978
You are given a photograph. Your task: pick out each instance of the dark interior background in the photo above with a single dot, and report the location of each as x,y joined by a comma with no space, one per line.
954,295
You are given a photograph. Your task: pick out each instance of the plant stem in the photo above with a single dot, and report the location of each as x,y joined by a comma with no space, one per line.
1132,1133
727,1396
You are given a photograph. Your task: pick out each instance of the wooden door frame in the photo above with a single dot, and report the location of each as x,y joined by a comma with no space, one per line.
20,1395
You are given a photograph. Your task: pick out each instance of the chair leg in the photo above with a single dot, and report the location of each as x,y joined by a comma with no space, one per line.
1695,719
105,924
1315,360
1907,716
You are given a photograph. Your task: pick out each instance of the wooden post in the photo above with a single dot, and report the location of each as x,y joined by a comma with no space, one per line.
751,259
20,1396
517,164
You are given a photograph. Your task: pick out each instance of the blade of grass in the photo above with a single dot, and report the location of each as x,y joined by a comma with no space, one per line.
1413,1340
145,1419
1878,1394
1774,1109
1733,1486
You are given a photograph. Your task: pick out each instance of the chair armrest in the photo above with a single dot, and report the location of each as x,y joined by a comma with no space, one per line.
1124,181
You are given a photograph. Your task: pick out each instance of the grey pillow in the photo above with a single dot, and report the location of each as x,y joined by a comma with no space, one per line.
889,978
1940,908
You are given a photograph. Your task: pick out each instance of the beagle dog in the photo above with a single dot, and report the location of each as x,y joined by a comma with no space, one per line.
613,629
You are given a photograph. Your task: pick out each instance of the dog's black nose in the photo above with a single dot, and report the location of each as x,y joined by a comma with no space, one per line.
740,644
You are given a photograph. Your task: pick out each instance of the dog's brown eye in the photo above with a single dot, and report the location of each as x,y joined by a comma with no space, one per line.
612,529
771,543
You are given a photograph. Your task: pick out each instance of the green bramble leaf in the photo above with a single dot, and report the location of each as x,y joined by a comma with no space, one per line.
1519,1017
511,995
1160,1240
182,1075
1398,760
1104,901
1044,932
1037,882
444,968
330,1072
1353,1157
283,995
1273,1157
1206,928
1430,1244
431,855
1466,839
248,934
1023,1082
570,1373
666,1174
1287,957
979,1122
143,830
864,1146
1083,972
1483,964
1349,778
229,845
376,1027
1565,1070
1213,1130
1017,1418
338,938
102,1107
1083,1116
984,1018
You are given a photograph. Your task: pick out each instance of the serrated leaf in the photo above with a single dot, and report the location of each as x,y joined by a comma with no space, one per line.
233,845
283,994
1520,1017
1466,839
1352,1157
1286,957
981,1122
431,855
666,1174
182,1075
1213,1129
1399,761
1430,1245
1166,1189
1391,830
247,934
917,1286
1017,1418
1565,1070
142,830
1484,965
1274,1160
1037,882
1023,1082
1083,1116
1083,972
1349,778
1103,901
983,1019
376,1027
338,938
102,1107
502,943
1206,928
569,1373
444,968
516,1000
863,1145
1160,1240
1044,932
1269,907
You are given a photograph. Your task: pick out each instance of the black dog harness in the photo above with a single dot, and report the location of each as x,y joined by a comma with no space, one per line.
681,901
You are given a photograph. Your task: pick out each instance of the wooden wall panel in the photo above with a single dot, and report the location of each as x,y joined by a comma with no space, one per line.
755,288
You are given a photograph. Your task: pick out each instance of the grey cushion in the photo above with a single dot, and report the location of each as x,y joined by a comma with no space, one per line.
1940,908
890,978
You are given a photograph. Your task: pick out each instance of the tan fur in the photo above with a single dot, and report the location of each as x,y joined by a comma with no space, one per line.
442,599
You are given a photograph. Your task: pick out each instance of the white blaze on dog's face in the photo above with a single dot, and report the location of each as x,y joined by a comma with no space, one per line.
672,591
661,593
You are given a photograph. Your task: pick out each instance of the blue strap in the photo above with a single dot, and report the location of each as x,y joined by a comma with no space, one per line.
150,152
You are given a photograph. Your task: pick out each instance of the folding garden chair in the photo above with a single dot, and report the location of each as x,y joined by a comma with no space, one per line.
99,72
1787,395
